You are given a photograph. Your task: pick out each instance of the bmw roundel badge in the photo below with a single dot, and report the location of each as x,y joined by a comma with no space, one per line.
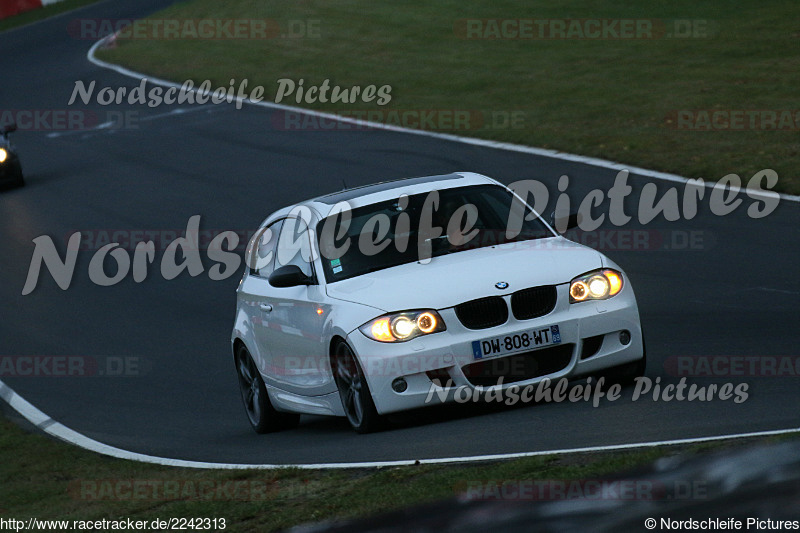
501,285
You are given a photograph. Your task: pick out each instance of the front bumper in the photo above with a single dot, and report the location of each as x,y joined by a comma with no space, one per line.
450,351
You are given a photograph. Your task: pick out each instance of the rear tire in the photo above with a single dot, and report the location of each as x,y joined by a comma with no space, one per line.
263,417
354,391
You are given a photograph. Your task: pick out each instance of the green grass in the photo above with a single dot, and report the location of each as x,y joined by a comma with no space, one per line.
39,478
613,99
42,13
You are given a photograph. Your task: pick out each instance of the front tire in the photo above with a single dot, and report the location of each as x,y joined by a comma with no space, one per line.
263,417
354,391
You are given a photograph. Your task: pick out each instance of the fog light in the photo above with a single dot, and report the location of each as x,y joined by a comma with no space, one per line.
625,337
399,385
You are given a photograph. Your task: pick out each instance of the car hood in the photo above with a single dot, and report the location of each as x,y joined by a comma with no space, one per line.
455,278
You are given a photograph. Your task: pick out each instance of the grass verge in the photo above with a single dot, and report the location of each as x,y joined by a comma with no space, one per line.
616,99
28,17
49,480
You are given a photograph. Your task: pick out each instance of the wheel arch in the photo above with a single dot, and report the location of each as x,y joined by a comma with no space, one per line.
336,339
236,344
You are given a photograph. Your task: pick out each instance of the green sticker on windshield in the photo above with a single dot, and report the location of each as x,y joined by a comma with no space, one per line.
335,262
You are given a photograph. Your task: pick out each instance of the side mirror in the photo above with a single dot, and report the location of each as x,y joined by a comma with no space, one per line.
562,224
289,276
10,128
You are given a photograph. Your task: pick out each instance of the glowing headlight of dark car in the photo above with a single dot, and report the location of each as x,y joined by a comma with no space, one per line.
597,285
3,155
401,327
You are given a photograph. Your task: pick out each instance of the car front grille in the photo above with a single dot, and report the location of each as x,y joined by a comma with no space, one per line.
492,311
519,366
533,302
483,313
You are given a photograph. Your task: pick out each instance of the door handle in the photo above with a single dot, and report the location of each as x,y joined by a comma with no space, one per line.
266,307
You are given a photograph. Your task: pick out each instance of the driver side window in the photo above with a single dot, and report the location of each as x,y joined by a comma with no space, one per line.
265,251
294,246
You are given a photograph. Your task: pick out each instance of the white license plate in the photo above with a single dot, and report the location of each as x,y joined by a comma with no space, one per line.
516,342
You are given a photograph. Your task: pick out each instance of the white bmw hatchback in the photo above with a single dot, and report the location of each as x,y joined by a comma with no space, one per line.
362,302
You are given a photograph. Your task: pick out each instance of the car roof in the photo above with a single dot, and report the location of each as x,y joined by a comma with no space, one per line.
364,190
385,190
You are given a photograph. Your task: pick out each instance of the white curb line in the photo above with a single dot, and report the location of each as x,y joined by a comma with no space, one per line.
56,429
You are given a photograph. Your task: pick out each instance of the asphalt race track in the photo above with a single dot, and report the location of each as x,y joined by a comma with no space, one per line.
735,294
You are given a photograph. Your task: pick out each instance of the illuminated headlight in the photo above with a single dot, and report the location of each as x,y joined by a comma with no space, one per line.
400,327
3,155
597,285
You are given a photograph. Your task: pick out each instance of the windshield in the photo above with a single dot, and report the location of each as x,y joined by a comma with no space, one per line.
418,227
